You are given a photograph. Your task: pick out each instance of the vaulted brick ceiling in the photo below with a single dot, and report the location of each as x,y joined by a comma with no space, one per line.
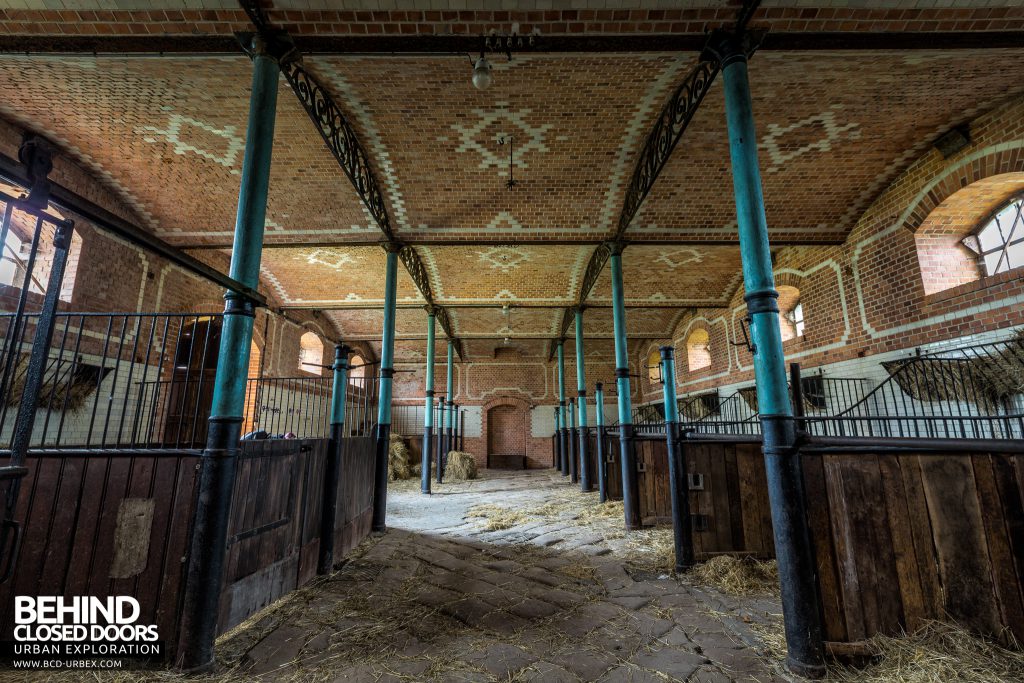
834,129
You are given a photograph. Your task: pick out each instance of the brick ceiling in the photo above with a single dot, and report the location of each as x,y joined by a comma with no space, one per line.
834,128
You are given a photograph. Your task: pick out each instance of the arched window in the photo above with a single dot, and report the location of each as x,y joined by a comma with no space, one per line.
654,367
791,313
357,370
999,243
311,353
698,350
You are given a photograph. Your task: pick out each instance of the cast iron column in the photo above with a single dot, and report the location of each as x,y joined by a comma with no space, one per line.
450,415
557,448
200,602
428,409
574,476
387,372
797,572
442,443
456,419
630,494
332,468
563,422
581,389
602,476
678,485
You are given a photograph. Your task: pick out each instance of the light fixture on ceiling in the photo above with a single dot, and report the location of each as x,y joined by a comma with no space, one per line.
499,42
482,73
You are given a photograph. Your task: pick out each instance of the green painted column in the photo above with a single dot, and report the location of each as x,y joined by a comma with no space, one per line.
387,372
449,444
630,493
797,571
563,422
602,476
428,407
442,444
332,467
679,487
204,575
581,389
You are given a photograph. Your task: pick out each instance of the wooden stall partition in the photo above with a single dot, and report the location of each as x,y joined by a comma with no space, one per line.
652,481
728,493
272,539
355,495
104,524
612,457
905,538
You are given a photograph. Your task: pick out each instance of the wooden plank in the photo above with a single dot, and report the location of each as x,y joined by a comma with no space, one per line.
907,572
732,487
720,526
751,501
114,488
960,544
820,525
1011,496
842,540
921,532
880,596
58,514
1005,579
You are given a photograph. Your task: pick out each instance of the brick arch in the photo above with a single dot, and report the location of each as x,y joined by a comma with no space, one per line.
999,161
522,414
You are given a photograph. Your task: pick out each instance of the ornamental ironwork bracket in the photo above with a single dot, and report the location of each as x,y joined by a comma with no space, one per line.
664,136
330,121
340,137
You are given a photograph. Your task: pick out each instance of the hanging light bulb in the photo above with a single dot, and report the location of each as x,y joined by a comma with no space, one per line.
481,73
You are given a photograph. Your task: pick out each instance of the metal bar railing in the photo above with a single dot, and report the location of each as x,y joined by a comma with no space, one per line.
967,392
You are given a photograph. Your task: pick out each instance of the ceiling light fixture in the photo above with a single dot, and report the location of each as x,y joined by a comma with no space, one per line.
482,73
496,42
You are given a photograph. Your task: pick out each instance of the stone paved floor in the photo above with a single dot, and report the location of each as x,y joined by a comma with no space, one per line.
440,598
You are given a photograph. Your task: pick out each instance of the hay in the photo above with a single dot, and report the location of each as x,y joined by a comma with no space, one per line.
460,466
738,575
70,390
699,407
987,379
938,652
651,550
398,459
749,396
496,517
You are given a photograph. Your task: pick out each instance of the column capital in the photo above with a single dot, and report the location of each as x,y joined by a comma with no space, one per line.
725,47
270,42
667,352
599,386
392,247
615,247
431,309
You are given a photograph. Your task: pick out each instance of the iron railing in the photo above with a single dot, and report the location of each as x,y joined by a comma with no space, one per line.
114,380
300,407
969,392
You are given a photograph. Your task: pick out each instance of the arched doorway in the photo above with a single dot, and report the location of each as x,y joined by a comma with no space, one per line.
507,433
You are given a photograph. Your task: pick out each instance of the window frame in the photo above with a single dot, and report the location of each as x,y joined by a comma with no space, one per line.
973,241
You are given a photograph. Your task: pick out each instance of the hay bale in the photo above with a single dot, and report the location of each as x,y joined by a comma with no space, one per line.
460,466
398,459
738,575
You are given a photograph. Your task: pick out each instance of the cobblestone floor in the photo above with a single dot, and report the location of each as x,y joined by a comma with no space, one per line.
441,598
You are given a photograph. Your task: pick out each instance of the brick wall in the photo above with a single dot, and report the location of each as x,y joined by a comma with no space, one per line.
886,289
